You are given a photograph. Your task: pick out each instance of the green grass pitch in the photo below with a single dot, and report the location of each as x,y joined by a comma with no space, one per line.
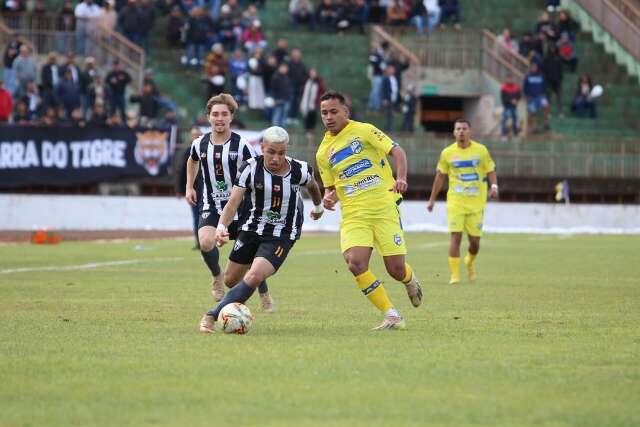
548,336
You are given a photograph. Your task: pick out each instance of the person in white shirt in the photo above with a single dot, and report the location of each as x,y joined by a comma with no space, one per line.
87,14
433,12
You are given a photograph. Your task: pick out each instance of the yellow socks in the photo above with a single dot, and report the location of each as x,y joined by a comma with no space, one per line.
469,258
372,288
471,271
408,275
454,266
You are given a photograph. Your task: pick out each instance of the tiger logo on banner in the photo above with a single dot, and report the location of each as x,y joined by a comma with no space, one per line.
152,150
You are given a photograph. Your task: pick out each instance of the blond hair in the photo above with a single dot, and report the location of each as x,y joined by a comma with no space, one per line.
225,99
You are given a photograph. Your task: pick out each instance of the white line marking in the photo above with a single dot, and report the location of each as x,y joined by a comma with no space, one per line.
86,266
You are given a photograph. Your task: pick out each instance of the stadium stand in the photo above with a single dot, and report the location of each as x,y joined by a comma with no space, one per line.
609,136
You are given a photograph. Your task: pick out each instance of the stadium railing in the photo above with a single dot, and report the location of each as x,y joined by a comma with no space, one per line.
6,33
621,18
469,48
104,45
526,159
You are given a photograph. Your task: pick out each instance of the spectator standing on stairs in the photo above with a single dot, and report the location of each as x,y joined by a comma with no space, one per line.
534,91
175,28
377,63
567,52
11,52
390,94
510,95
87,14
147,18
282,92
118,79
409,105
298,75
129,22
552,70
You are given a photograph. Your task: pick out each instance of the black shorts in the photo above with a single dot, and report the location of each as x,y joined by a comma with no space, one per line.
249,245
209,218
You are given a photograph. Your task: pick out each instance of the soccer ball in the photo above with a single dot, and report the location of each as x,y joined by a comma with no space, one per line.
235,318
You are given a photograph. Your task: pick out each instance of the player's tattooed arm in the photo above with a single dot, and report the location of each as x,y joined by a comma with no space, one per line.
316,197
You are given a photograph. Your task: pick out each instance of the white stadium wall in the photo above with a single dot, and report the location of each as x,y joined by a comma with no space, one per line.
26,212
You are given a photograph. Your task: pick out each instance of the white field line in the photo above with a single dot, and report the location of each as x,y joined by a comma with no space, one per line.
87,266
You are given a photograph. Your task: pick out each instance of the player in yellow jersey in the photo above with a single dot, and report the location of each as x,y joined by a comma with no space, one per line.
468,165
352,161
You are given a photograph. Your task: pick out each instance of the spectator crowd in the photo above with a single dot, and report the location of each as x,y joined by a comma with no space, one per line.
550,50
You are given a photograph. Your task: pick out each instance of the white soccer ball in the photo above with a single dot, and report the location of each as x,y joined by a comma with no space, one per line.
235,318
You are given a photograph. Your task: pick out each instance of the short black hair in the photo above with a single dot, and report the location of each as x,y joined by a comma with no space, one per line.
333,94
462,120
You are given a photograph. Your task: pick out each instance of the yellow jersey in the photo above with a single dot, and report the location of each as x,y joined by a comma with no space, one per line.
467,169
355,162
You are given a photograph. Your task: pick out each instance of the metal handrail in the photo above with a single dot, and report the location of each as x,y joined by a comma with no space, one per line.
41,31
629,9
6,33
382,34
620,19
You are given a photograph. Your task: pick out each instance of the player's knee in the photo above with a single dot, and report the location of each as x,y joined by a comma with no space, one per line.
230,279
207,243
357,267
397,271
253,278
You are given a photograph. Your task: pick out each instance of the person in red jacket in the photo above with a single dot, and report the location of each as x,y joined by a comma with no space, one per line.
6,104
510,94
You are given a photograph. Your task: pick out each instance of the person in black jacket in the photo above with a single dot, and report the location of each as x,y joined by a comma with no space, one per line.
552,70
118,79
150,105
298,74
49,78
281,91
181,183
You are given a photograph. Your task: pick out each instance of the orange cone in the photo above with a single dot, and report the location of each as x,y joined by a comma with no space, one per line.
39,237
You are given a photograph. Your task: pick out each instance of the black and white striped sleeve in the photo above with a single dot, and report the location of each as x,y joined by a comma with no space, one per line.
307,173
243,179
248,152
194,153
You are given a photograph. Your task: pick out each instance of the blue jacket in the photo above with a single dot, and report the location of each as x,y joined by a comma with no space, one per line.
533,85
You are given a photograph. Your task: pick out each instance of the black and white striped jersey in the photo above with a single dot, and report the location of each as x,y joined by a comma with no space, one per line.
219,165
276,208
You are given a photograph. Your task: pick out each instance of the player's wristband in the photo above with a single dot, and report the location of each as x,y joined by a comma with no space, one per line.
317,209
494,187
222,228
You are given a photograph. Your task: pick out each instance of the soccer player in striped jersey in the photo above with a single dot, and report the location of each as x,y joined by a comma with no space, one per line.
270,185
469,166
219,154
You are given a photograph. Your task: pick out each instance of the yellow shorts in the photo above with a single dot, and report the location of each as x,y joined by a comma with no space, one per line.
384,234
464,221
